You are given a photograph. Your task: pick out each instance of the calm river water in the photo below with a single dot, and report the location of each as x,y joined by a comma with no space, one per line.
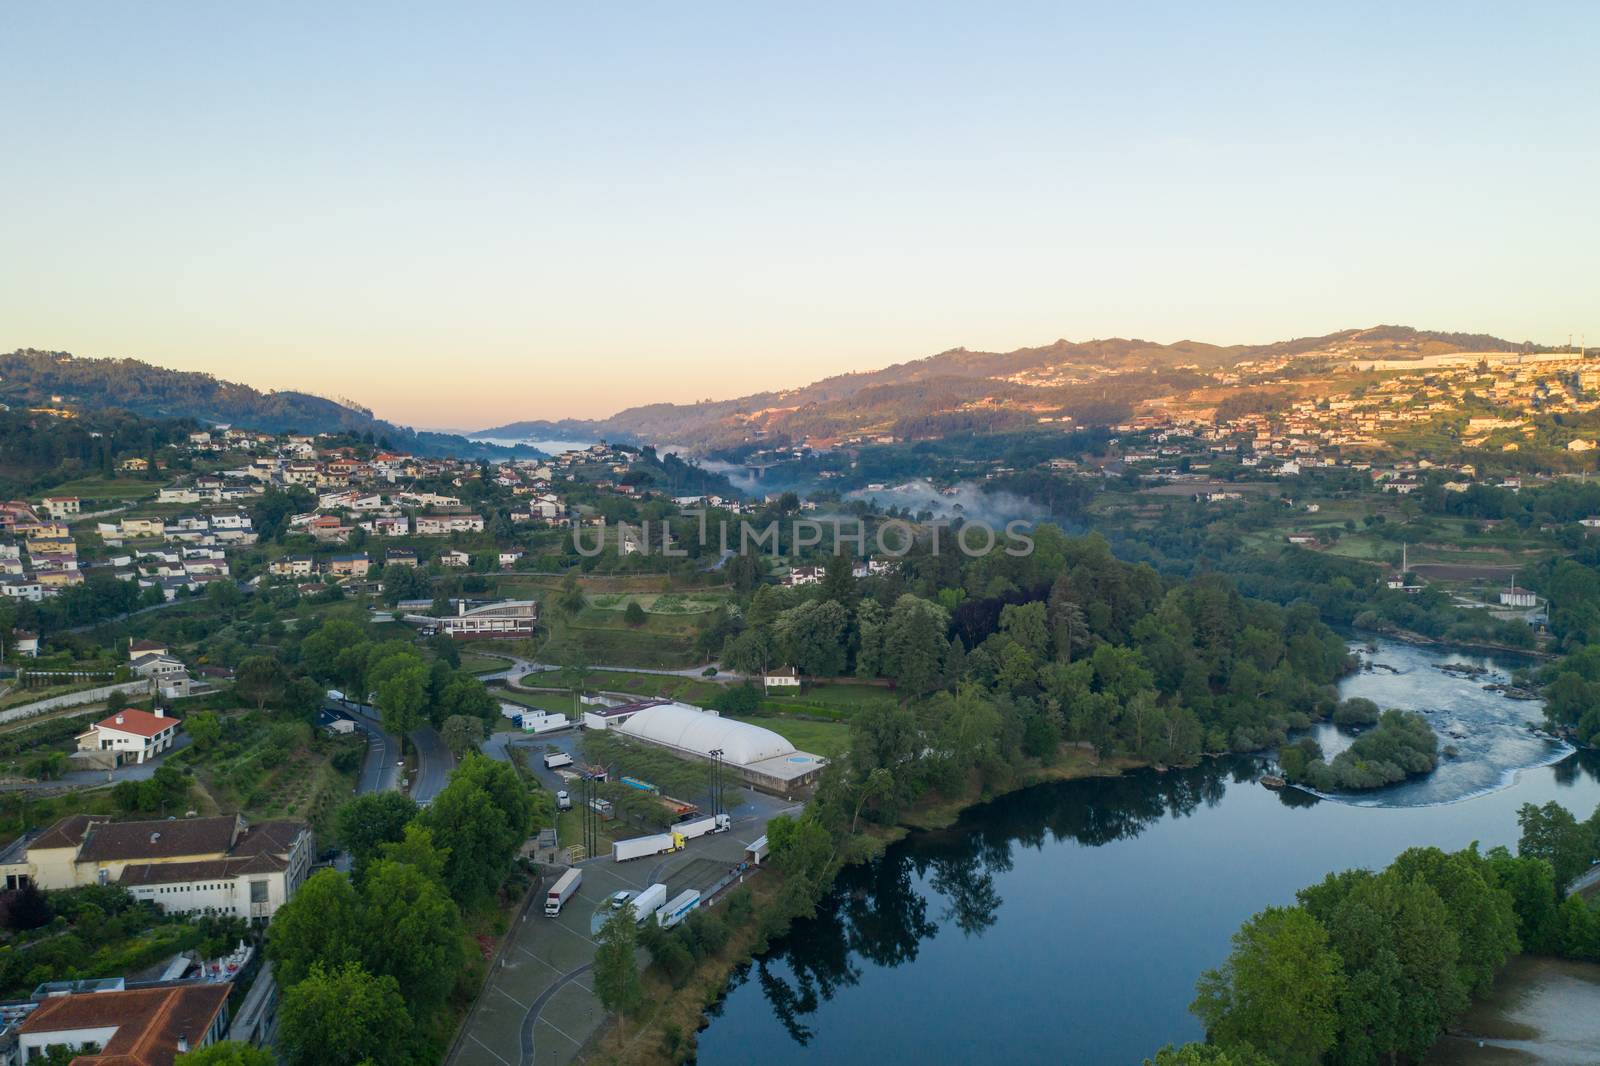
1067,923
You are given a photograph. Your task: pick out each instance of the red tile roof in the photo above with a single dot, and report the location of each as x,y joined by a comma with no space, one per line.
148,1021
137,722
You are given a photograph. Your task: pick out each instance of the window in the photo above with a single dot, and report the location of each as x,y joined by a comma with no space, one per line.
258,892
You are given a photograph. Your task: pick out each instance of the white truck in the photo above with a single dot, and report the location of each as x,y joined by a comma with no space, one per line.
639,847
646,903
557,758
565,887
678,909
699,827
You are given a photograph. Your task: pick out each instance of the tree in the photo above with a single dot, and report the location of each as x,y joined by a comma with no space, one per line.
482,816
839,581
751,652
259,678
914,644
320,925
616,972
812,637
1552,833
416,848
1481,912
879,782
25,908
1278,991
413,932
571,600
634,614
344,1016
367,822
402,691
462,734
1531,883
227,1053
223,597
204,729
1397,944
1026,624
465,695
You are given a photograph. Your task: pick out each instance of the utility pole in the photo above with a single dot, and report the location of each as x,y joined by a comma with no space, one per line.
716,780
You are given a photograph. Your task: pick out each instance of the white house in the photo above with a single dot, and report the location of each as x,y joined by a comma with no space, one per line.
62,506
130,735
786,678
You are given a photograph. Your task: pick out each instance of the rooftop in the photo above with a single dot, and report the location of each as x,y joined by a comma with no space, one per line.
137,722
148,1021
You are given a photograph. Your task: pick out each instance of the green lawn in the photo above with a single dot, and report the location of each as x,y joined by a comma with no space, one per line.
660,603
98,488
560,702
828,739
474,663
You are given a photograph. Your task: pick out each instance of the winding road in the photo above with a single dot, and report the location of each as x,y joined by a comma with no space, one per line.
380,772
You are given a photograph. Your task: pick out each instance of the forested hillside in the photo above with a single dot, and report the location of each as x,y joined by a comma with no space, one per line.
30,378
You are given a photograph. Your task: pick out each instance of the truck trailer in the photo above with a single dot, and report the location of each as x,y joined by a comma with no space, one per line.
565,887
646,903
699,827
639,847
678,909
557,758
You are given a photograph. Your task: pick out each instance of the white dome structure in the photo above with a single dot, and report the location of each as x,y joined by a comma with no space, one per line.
677,725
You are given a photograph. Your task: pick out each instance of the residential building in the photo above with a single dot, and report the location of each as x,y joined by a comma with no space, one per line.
355,565
224,864
441,524
62,506
131,1027
130,736
786,678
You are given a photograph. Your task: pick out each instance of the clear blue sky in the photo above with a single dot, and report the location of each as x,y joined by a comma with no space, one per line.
461,214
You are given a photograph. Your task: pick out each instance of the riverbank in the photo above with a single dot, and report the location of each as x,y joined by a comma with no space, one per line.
666,1034
1541,1011
1421,640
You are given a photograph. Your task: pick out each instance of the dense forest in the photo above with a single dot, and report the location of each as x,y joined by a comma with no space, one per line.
38,451
1067,641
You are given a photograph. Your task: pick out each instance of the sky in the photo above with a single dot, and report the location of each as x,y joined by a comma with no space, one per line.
464,214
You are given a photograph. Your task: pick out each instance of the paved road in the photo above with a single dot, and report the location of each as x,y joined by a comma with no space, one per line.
1585,880
434,763
380,770
521,667
538,1005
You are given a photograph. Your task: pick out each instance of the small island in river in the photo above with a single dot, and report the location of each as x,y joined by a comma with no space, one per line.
1401,745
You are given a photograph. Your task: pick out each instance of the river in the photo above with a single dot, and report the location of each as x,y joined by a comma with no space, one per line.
1068,922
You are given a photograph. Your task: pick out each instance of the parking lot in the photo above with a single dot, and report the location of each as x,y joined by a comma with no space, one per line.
538,1006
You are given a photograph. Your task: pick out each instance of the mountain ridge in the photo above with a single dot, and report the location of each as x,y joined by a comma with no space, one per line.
1055,379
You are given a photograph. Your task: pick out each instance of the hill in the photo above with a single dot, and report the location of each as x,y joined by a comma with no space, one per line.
30,378
1090,382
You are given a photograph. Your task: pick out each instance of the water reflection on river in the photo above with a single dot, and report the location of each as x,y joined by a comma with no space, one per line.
1068,923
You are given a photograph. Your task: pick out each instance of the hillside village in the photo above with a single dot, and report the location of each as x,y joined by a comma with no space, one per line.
167,618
